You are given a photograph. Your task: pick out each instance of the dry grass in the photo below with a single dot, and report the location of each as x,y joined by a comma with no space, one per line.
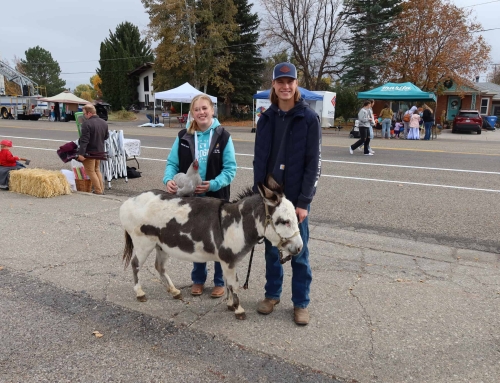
121,115
39,183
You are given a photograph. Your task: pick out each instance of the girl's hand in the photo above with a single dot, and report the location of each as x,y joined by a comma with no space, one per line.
171,187
203,188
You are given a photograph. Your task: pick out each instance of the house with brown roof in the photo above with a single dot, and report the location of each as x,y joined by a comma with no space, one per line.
481,96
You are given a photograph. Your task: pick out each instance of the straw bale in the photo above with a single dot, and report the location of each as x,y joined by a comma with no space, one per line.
39,183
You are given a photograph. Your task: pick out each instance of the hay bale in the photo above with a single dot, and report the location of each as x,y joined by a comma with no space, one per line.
39,183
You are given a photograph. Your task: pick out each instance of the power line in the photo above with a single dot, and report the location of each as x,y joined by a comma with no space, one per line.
475,5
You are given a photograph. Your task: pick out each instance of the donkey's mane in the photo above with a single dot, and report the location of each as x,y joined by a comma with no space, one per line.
248,192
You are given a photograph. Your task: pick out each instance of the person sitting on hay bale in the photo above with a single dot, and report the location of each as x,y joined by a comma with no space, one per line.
8,162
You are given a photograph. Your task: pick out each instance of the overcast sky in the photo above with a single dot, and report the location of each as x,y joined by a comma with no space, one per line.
72,31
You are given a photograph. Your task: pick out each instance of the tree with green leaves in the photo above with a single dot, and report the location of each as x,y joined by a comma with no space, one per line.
372,34
43,69
120,53
246,68
192,42
347,103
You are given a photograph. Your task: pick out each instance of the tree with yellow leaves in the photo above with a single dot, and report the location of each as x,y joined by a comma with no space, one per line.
437,41
96,82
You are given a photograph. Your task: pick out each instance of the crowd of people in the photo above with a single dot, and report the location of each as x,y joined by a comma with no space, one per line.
407,124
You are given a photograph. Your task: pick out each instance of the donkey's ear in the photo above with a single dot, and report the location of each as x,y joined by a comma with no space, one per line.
270,197
273,185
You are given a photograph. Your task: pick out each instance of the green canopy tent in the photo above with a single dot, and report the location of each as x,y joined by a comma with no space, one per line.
405,91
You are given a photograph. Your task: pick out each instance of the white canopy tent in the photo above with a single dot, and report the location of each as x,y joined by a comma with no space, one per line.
65,98
184,93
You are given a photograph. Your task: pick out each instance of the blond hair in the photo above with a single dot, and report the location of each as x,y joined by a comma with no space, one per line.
193,127
89,108
274,97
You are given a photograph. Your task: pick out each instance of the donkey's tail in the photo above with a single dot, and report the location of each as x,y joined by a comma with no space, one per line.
128,250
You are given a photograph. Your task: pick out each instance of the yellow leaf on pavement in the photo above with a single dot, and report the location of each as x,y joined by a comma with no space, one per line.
98,334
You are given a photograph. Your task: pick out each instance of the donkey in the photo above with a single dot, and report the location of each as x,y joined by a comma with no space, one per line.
198,229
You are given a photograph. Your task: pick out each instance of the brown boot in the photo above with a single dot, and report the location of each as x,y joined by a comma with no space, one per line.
218,291
196,289
301,316
267,306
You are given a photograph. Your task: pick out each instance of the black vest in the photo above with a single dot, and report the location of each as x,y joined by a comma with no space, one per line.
214,164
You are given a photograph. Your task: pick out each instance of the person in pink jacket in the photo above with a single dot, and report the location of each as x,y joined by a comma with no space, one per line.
414,133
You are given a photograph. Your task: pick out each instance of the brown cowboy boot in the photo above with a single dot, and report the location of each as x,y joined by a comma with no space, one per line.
267,306
301,316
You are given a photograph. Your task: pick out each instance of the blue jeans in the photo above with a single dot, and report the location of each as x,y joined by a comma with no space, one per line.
427,126
386,127
199,274
301,270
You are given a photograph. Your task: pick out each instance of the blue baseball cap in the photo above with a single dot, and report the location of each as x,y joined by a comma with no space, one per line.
284,70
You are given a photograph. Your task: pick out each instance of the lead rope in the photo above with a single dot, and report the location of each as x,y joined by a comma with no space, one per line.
245,286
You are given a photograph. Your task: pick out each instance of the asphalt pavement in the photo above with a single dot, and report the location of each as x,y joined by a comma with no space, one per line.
383,309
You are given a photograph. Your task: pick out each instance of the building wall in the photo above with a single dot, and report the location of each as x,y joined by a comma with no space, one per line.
140,88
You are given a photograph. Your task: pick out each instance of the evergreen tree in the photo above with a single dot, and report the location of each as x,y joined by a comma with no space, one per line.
247,64
192,42
370,23
43,69
120,53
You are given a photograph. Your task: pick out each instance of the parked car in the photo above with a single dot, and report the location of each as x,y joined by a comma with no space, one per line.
467,121
102,111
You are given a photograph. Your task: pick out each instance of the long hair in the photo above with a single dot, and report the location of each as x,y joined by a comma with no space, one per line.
193,126
274,97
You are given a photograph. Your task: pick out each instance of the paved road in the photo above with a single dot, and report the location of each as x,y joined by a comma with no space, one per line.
389,304
443,191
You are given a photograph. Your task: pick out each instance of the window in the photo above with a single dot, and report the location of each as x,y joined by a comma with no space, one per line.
484,105
146,99
146,83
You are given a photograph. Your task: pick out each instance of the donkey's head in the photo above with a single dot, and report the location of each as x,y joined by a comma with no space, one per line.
281,226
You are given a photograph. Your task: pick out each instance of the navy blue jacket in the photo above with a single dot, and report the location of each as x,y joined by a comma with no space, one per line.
300,153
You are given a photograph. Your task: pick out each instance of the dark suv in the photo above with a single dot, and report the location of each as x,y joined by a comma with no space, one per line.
467,121
102,111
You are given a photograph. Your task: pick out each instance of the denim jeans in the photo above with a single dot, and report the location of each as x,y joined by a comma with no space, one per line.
386,127
427,126
199,274
406,129
301,270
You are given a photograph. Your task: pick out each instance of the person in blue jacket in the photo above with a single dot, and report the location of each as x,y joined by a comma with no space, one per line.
288,146
206,140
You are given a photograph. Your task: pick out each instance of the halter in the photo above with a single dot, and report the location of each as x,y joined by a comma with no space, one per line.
282,240
279,246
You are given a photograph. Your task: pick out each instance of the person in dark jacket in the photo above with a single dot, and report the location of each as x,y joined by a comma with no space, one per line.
94,133
428,118
208,142
288,146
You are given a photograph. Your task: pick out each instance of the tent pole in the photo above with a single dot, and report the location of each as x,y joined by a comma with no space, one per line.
253,115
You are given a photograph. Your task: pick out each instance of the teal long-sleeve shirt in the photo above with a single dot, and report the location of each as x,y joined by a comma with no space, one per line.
227,173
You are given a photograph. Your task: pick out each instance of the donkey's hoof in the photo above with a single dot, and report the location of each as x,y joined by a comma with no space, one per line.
178,296
241,316
230,308
142,298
